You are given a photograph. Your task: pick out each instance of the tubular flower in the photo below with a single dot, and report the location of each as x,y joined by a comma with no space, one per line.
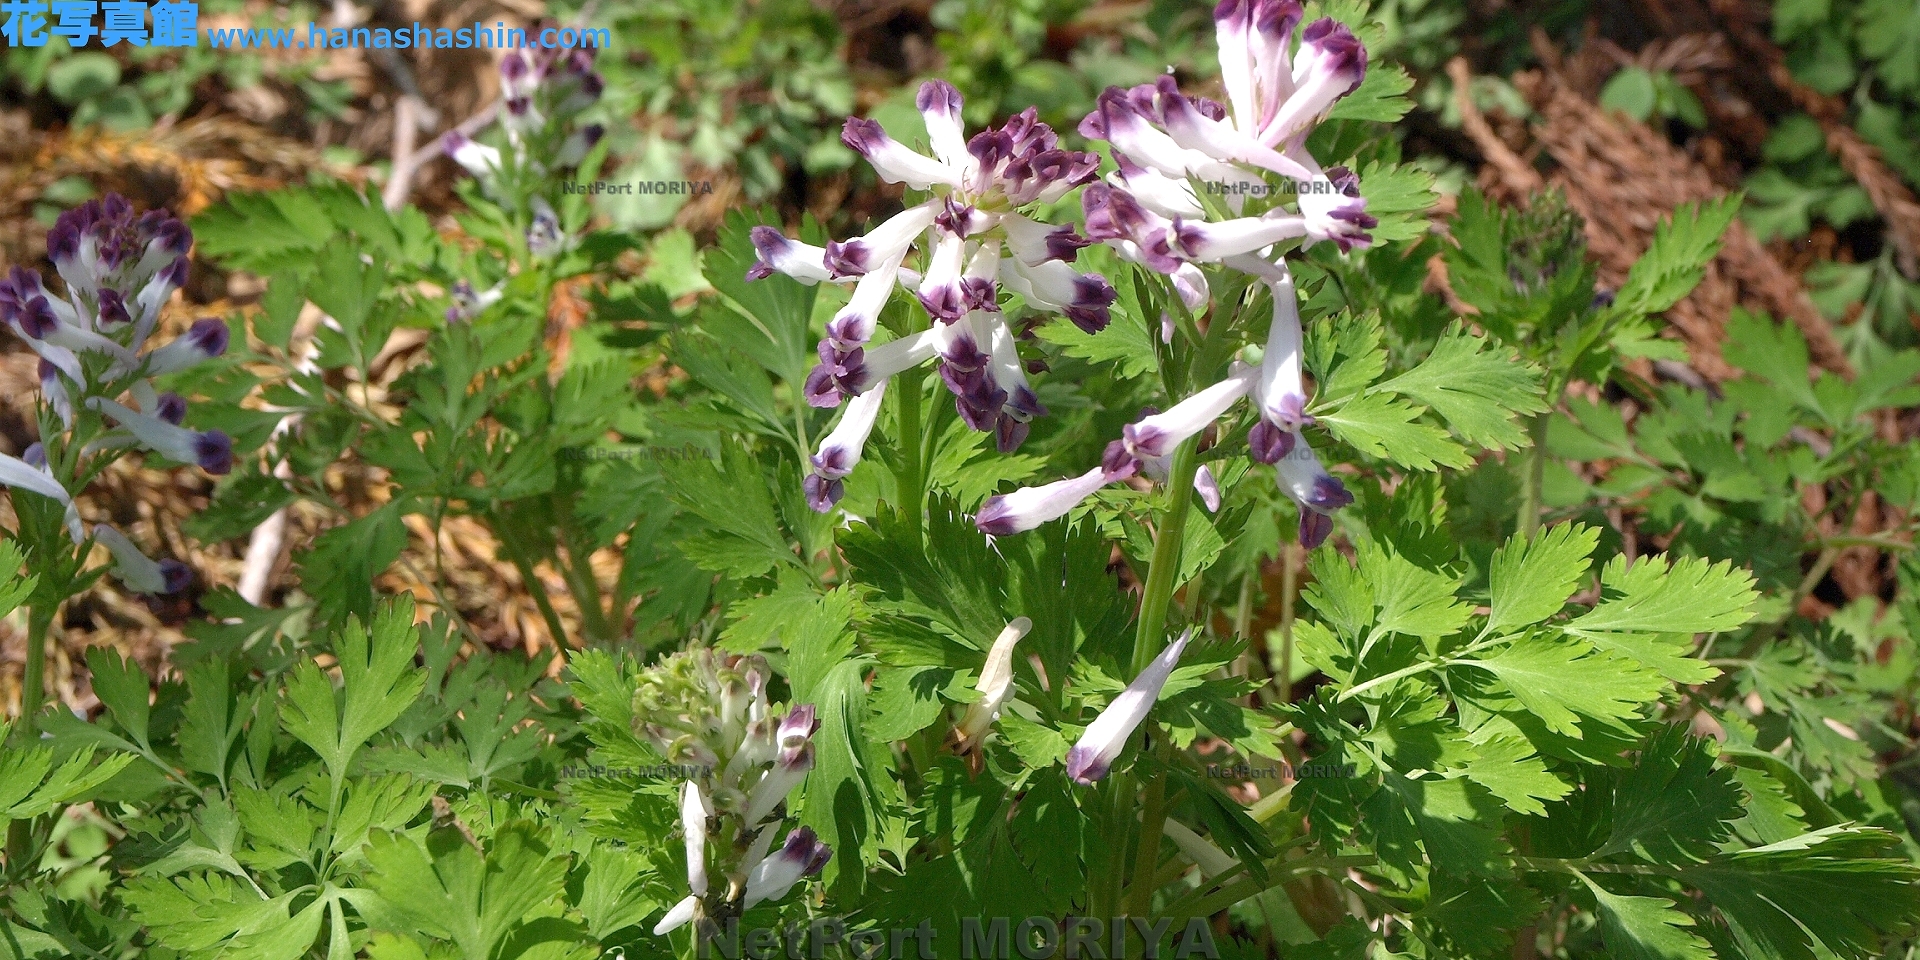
138,571
974,239
31,474
994,687
704,709
1092,757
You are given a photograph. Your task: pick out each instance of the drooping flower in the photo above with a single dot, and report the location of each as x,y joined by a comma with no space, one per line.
31,474
138,571
995,686
211,449
975,239
803,854
1092,757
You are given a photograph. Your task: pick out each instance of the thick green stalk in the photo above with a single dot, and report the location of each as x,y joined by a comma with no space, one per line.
1146,861
1156,596
1289,597
1151,636
578,570
33,681
1535,465
911,478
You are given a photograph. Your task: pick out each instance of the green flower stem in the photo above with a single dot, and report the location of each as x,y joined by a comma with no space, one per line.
1148,641
911,477
539,591
1153,823
1151,636
32,682
586,587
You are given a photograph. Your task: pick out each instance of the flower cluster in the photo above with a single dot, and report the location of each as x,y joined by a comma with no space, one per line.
543,92
119,271
975,240
703,709
1150,213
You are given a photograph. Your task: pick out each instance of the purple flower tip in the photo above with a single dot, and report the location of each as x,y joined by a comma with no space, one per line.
209,335
937,96
214,452
175,576
821,492
1084,765
1269,444
113,308
1010,432
171,407
995,518
863,135
1315,528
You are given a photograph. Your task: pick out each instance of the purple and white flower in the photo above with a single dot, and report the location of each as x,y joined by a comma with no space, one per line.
1164,140
1092,757
211,449
802,855
840,451
140,573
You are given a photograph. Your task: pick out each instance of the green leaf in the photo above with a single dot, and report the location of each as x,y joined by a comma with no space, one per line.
1456,821
1479,391
846,792
1676,804
31,786
1564,681
379,683
1842,891
1677,258
1689,596
1510,769
1379,425
1645,928
1532,579
14,589
340,567
1631,92
1774,352
447,889
123,687
1380,97
1408,599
